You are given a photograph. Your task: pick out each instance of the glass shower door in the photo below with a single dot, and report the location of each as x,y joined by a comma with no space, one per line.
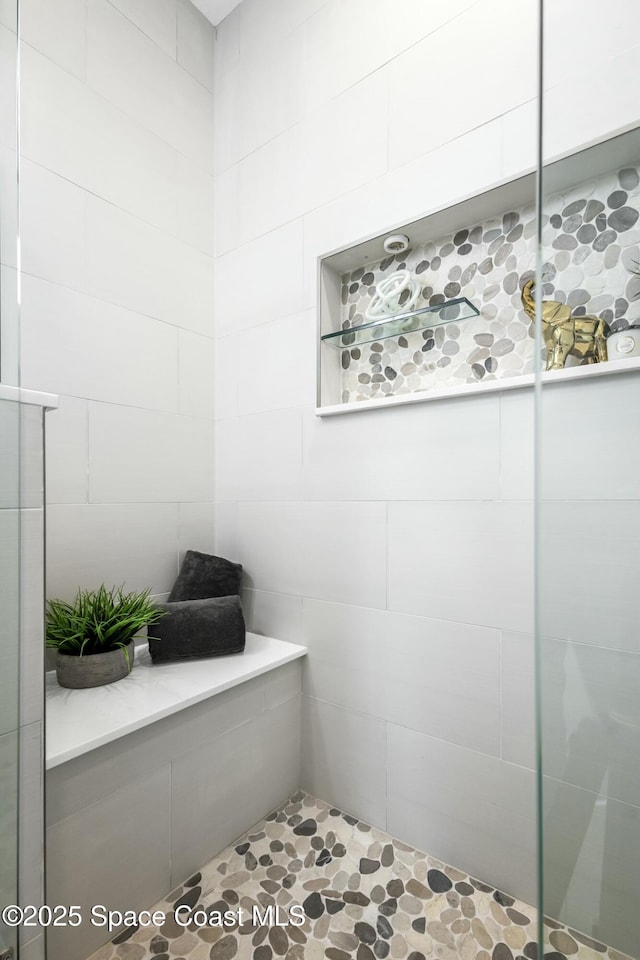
588,487
9,475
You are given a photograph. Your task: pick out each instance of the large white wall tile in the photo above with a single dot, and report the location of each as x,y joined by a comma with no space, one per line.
430,675
194,193
31,818
9,201
145,456
582,455
52,227
343,757
131,72
58,30
255,106
578,113
21,481
331,551
226,225
615,26
260,281
227,43
196,387
283,685
225,377
259,457
589,569
9,823
10,621
10,331
33,949
263,26
197,527
71,130
288,379
67,452
157,20
590,718
334,60
589,446
305,166
518,699
10,452
8,14
280,738
8,63
278,163
209,785
517,436
463,807
426,453
196,43
31,456
112,543
467,561
80,782
225,525
269,367
85,347
273,614
457,112
103,835
31,615
519,129
143,269
590,856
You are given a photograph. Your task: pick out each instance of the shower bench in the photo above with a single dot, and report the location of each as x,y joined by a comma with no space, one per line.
150,777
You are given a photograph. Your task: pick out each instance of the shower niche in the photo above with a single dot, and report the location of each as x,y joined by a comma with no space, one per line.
442,315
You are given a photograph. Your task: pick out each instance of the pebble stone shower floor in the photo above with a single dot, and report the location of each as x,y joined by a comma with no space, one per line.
365,896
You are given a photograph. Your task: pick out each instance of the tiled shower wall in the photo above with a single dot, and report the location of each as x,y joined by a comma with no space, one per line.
590,240
398,543
117,287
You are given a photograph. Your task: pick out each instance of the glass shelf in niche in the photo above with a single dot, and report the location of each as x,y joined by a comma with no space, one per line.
413,322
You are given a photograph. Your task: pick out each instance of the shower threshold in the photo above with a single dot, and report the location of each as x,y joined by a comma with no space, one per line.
312,883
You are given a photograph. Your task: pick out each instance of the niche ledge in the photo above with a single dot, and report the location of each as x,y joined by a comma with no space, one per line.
569,374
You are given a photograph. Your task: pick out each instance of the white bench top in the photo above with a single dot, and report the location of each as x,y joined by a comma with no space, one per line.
81,720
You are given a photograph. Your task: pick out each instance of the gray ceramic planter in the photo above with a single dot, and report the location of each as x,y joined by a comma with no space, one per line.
95,669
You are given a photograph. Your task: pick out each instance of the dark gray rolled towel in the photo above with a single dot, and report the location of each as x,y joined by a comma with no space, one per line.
198,628
202,575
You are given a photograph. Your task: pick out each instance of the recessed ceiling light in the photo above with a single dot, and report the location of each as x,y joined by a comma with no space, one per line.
396,243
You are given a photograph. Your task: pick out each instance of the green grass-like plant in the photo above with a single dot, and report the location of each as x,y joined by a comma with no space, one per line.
98,621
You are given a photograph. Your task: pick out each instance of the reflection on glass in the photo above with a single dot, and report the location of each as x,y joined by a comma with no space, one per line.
588,538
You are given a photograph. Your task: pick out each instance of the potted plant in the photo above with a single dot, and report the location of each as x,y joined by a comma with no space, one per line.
94,634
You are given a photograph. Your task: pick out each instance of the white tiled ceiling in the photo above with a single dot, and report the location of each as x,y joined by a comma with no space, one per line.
215,10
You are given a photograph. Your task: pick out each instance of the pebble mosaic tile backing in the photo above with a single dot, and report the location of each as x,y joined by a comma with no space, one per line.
363,895
590,240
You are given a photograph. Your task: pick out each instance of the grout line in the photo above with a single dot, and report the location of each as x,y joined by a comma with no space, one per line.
500,451
387,558
386,779
88,463
500,692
